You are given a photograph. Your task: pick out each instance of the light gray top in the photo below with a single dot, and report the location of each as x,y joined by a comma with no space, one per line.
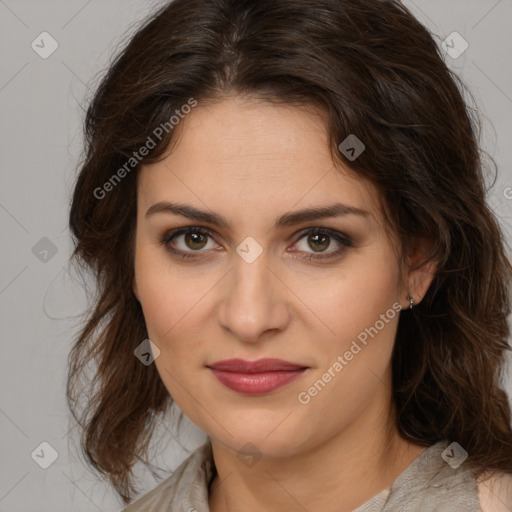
428,484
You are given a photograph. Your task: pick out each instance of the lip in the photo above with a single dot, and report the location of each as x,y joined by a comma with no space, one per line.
256,377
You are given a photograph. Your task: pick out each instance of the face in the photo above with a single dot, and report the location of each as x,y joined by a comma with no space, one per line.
323,293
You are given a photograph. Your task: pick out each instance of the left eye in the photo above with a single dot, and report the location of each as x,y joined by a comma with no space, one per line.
320,240
317,241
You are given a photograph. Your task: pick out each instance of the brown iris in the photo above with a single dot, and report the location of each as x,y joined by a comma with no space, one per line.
317,238
195,240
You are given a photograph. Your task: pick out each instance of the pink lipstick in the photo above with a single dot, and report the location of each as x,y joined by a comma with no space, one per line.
256,377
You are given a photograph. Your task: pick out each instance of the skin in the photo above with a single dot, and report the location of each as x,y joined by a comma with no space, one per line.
250,162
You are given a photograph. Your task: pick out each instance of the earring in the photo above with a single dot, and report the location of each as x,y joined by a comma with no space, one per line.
411,300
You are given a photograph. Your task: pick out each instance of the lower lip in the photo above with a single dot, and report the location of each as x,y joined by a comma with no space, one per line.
257,383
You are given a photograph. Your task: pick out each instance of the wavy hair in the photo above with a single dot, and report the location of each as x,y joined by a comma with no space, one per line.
377,72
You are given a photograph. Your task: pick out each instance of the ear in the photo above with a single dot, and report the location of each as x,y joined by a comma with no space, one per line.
419,275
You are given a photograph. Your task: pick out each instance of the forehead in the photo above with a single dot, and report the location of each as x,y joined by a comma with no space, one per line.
254,155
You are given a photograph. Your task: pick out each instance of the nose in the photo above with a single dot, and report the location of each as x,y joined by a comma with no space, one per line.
254,301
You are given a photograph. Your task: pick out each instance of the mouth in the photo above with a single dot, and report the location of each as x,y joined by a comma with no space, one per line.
256,377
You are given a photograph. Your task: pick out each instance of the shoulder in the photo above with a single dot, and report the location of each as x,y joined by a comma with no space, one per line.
495,492
188,483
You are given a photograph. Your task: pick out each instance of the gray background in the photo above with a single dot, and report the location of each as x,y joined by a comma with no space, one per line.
42,103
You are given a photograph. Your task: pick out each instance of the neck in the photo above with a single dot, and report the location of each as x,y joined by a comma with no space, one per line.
337,475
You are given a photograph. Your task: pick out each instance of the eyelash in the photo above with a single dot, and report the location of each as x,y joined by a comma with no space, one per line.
339,237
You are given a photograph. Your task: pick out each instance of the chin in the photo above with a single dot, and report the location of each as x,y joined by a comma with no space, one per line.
263,440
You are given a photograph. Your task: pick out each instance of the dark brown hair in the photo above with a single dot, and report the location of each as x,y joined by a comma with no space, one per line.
377,73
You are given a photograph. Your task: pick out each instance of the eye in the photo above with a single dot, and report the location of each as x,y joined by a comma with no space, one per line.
319,240
193,239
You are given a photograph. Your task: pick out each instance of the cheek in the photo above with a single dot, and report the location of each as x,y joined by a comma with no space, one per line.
363,311
162,292
169,302
156,285
153,290
352,299
173,302
360,308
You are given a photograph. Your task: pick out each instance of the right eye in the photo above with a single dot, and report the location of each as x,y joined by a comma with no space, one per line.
192,240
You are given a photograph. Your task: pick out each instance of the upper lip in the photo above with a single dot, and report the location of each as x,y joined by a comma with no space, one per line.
259,366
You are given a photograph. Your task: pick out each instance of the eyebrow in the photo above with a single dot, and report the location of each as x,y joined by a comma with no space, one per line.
286,220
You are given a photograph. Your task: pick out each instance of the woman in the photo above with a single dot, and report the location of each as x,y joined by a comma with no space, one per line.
283,205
